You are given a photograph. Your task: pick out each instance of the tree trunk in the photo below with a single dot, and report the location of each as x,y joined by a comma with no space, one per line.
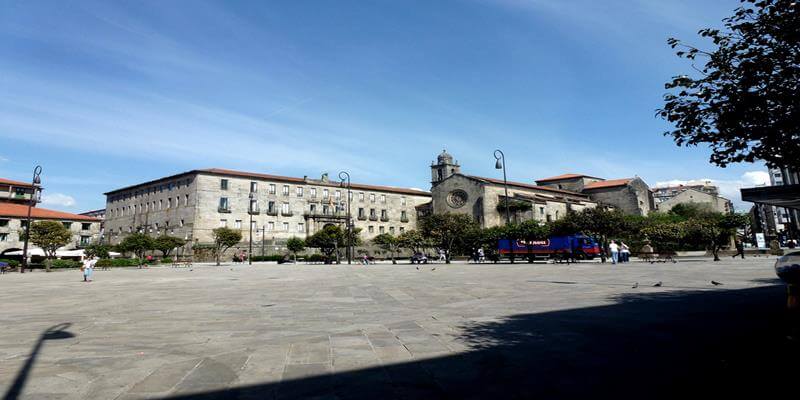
217,256
393,260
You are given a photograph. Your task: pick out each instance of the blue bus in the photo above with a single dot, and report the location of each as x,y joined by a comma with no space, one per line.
580,247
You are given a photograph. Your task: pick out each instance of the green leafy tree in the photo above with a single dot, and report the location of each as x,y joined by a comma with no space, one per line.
742,102
136,243
295,245
49,236
713,230
446,230
389,243
165,244
414,241
330,238
98,250
224,239
664,235
531,231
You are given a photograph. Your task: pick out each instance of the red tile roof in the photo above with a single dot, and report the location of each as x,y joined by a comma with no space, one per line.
565,177
21,211
526,185
279,178
4,181
608,183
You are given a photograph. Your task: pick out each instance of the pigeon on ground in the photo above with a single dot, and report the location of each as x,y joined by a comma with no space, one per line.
715,283
635,285
417,268
433,269
658,284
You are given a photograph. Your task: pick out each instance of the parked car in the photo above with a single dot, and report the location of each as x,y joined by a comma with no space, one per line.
419,258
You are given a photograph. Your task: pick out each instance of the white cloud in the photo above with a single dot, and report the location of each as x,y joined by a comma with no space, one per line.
58,199
3,159
727,188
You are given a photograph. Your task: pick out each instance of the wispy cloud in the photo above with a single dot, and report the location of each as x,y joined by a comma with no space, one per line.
58,199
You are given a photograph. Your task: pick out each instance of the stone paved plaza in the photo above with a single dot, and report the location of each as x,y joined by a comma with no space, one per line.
393,331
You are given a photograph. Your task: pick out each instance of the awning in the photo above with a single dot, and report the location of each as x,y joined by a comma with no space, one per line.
35,251
787,196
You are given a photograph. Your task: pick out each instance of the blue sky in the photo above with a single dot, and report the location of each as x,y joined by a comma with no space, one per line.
106,94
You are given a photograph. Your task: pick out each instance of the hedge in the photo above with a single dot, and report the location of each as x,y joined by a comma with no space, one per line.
11,263
118,262
267,258
57,263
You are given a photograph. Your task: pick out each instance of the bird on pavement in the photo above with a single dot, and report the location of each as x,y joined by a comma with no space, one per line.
658,284
715,283
417,268
433,269
635,285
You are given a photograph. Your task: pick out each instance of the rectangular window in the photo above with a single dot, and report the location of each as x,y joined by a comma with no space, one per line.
325,209
85,240
271,207
223,223
285,208
186,200
161,204
299,191
286,227
223,203
270,226
391,230
181,223
349,196
384,214
169,203
360,196
313,193
380,229
86,226
325,194
253,205
237,224
371,229
360,212
271,188
402,229
372,213
383,198
3,237
67,225
285,191
372,197
312,208
301,227
223,184
338,195
253,187
541,210
3,222
403,215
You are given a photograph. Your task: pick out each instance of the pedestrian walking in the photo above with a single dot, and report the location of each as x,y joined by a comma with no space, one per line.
481,255
442,255
614,249
624,252
739,249
87,268
365,259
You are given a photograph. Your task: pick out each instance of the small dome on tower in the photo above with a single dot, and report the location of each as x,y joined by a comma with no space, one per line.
445,158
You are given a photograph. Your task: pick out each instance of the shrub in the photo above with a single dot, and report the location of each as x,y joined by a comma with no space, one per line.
11,263
316,258
117,262
64,264
166,260
267,258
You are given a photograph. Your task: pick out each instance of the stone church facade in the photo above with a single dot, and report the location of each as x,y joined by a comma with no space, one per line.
479,197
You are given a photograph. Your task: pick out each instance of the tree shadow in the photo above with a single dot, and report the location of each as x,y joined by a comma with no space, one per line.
55,332
659,344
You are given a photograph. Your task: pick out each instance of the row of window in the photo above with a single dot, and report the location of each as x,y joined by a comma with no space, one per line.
300,227
85,226
152,190
84,239
299,191
224,206
156,226
161,204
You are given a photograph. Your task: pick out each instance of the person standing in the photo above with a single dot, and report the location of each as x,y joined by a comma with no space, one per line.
614,249
442,255
87,268
739,249
624,252
481,255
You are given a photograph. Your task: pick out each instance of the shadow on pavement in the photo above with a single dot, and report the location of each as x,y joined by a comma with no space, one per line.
649,345
55,332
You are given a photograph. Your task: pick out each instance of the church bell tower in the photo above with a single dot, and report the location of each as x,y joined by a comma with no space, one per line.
443,168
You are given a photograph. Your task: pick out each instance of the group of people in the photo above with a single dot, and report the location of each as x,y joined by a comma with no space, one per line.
478,256
620,252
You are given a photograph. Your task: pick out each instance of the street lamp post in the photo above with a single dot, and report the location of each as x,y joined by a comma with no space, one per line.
345,175
252,210
501,164
34,194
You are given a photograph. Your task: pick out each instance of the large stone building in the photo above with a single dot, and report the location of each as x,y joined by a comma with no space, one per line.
630,195
190,205
480,197
14,200
693,196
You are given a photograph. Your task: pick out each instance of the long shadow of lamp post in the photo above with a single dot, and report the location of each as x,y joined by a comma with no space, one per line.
53,333
34,198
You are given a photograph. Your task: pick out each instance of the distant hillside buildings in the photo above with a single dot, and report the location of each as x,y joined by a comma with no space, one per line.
667,197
